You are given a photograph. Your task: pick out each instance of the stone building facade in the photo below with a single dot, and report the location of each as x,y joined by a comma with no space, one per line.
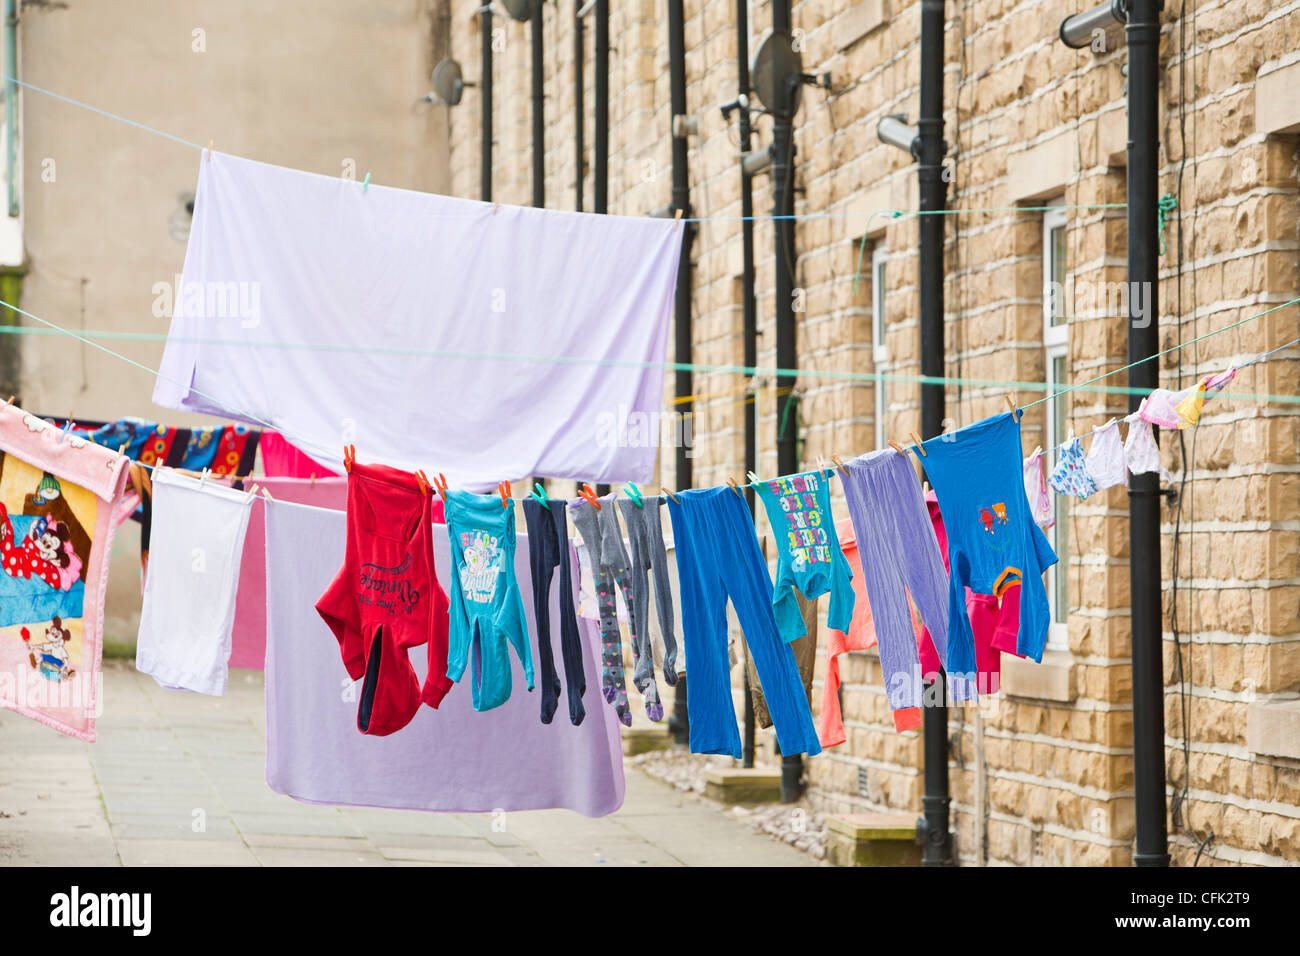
1043,772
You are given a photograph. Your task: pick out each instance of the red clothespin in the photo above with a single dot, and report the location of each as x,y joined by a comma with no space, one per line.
587,493
920,448
504,488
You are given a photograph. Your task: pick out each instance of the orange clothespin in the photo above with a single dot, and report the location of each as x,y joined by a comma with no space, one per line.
732,483
669,492
421,479
504,488
920,448
349,457
313,479
441,484
588,494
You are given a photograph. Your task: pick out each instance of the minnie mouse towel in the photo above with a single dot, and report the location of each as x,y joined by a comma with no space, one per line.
58,494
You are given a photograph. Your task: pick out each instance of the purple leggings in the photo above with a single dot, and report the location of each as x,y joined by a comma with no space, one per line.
900,554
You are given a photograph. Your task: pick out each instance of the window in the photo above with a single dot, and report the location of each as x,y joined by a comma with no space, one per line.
1056,349
880,353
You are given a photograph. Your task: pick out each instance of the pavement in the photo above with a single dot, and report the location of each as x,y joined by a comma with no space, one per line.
177,779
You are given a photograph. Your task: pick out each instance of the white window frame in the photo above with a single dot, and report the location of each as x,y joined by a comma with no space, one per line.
879,348
1056,345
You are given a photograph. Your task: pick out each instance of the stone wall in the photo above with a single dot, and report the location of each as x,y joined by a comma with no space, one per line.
1043,772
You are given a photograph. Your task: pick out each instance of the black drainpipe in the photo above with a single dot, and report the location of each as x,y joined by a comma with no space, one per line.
681,201
749,322
485,103
539,116
1143,35
935,801
787,424
579,146
600,188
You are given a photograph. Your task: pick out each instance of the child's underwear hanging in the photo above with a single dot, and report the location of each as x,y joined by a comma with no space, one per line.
809,556
386,598
1140,451
718,557
1040,501
487,610
1070,476
1105,460
992,540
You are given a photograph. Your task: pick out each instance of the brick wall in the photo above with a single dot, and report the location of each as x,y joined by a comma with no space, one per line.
1043,772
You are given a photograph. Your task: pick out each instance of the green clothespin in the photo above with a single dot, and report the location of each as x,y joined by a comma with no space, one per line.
1166,205
365,184
633,492
539,493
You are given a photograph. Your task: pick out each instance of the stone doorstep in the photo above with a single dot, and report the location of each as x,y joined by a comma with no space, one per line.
872,839
738,785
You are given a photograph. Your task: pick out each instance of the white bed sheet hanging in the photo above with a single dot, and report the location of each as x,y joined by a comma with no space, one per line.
484,342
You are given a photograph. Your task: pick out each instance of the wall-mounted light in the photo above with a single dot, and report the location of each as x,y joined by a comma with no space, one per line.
894,130
1077,32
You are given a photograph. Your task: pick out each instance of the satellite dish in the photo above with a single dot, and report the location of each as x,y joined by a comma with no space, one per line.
777,74
448,83
518,9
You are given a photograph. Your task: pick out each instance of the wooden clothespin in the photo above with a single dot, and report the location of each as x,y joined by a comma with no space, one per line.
494,208
897,447
633,492
1011,402
9,401
677,217
210,142
732,482
122,450
504,488
253,489
920,447
588,494
839,463
266,493
669,492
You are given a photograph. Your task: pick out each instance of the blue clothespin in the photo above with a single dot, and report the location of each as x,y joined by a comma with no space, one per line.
633,492
67,427
365,183
539,493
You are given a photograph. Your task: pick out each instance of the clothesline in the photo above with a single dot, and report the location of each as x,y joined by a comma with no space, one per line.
893,213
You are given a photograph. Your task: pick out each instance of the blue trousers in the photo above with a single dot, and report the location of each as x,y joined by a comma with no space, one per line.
718,557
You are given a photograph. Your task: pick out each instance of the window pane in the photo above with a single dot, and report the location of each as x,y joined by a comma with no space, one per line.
878,301
1057,270
1061,533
